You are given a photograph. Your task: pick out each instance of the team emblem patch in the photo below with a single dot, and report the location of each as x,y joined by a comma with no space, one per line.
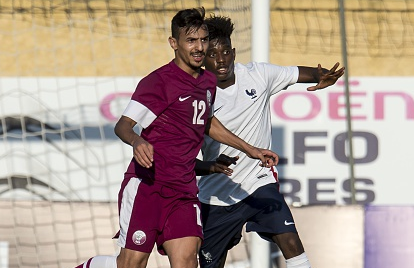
207,256
252,93
209,98
139,237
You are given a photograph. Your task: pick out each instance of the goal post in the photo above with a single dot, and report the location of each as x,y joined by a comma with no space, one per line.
259,248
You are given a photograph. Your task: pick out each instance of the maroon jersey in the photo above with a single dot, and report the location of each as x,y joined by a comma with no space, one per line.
172,107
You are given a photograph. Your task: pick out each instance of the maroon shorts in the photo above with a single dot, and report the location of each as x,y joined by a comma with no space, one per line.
153,213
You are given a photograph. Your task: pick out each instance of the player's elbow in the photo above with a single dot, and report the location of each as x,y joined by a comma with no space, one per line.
117,130
122,126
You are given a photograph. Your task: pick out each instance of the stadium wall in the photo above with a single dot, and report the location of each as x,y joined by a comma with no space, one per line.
129,38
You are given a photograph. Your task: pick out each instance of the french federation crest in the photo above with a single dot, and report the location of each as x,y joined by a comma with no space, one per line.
252,93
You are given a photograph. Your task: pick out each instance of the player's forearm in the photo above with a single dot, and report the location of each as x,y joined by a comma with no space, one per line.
218,132
124,130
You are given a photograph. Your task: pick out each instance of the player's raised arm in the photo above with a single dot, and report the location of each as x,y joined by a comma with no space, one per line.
218,132
323,77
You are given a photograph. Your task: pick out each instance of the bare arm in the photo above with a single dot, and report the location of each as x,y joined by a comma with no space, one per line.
323,77
142,150
218,132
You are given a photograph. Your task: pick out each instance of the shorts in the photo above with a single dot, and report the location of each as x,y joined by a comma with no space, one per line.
151,213
265,212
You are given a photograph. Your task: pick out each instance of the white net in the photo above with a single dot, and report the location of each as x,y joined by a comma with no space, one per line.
68,68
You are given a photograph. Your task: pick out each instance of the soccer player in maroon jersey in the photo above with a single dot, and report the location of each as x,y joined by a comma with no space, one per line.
158,203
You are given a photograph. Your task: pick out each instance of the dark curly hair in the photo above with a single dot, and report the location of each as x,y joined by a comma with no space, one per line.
219,27
190,19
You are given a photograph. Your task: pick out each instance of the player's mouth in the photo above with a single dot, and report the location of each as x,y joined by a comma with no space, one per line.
222,70
198,57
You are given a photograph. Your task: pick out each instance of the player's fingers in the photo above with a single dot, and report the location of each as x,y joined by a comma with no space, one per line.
312,88
339,73
143,160
332,70
272,159
221,168
144,155
263,159
269,153
226,170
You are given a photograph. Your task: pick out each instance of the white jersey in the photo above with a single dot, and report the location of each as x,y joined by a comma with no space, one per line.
244,109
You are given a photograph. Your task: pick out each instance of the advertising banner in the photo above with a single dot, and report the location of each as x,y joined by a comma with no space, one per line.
310,131
57,140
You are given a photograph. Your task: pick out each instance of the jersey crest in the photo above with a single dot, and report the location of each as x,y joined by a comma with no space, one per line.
252,93
209,98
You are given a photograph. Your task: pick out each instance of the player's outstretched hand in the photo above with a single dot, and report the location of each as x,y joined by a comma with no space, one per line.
143,152
329,78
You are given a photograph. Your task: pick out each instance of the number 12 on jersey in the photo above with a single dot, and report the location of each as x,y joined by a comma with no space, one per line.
199,110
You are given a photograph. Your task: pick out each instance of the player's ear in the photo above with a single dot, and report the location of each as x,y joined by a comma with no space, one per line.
173,43
234,52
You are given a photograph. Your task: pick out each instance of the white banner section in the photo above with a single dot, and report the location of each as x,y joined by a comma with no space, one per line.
57,140
310,130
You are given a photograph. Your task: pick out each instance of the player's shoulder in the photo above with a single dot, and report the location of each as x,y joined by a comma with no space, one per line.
166,74
159,72
165,69
209,75
251,69
265,68
252,66
210,78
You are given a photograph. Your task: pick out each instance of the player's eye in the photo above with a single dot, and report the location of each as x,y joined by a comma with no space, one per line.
211,55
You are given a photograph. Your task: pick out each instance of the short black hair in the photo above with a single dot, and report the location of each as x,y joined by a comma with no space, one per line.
219,27
189,19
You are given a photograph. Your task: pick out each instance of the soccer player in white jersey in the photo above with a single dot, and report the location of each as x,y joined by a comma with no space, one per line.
251,194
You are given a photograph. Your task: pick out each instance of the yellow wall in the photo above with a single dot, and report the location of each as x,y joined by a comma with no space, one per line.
102,39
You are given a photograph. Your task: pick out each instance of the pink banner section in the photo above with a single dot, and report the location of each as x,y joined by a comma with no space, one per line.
389,236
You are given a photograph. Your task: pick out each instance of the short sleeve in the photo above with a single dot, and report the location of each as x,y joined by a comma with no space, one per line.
148,101
278,77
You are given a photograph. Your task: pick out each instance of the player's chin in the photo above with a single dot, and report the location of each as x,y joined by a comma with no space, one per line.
197,63
221,76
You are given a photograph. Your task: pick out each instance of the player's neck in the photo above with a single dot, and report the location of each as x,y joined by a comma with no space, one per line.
223,84
191,70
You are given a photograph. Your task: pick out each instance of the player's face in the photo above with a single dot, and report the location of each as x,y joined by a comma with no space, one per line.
220,60
190,49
